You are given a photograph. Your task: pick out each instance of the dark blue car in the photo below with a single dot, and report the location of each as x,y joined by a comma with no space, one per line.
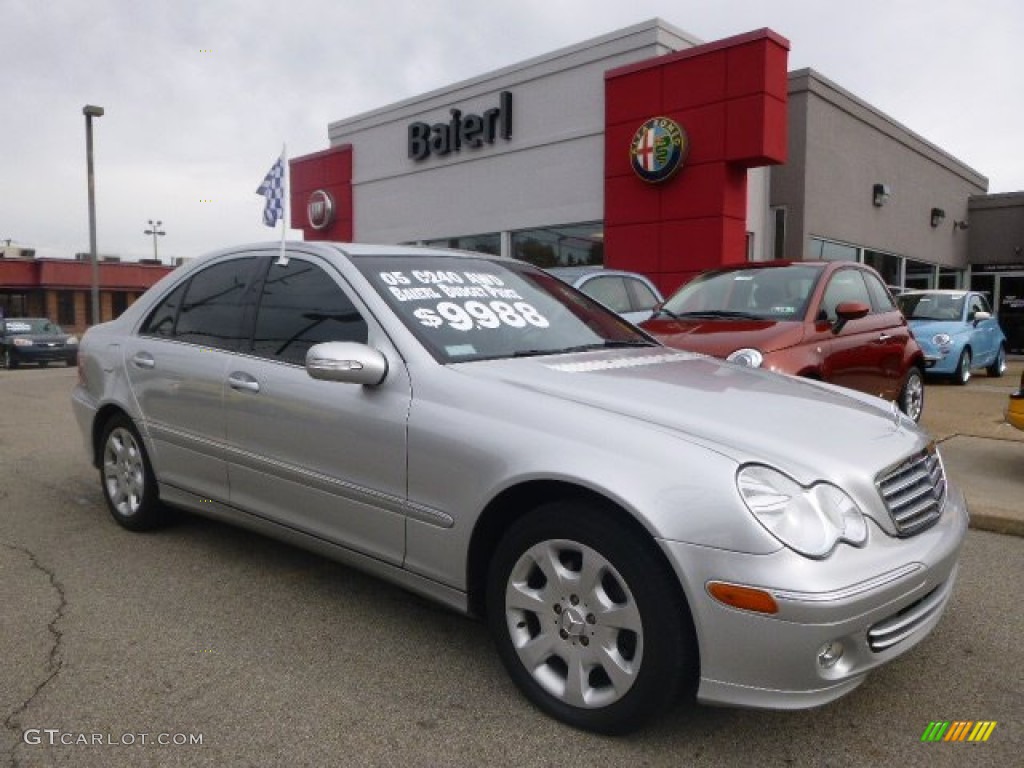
35,340
956,331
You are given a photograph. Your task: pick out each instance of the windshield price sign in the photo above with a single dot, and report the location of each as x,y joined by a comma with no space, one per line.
464,300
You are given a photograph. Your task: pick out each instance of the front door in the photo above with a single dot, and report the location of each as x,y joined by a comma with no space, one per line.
324,458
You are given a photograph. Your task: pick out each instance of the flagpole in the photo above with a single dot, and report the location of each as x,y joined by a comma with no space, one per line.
282,260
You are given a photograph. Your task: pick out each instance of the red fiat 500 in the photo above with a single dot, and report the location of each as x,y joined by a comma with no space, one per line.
833,321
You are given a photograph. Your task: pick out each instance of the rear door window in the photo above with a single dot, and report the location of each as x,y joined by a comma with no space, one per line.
207,309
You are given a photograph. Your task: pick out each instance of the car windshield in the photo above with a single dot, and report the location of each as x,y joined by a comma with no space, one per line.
932,306
464,309
774,293
16,325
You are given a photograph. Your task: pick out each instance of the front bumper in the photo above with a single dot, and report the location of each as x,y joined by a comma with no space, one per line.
877,601
44,353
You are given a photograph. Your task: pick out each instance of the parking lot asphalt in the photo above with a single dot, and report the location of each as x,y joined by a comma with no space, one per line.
982,453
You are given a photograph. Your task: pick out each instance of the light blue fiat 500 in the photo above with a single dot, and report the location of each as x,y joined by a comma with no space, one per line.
957,331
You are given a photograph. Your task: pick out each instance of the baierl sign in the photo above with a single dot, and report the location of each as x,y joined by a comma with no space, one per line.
462,131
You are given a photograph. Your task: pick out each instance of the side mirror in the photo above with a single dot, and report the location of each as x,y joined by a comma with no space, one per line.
347,362
847,311
980,316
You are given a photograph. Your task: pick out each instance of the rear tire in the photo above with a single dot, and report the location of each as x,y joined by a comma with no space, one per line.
911,400
127,479
963,368
998,367
588,620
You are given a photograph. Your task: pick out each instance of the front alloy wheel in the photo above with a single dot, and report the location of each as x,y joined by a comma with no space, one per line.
127,479
963,368
911,400
590,624
998,367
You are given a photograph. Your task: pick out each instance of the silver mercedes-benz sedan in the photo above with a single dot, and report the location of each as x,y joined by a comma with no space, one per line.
633,522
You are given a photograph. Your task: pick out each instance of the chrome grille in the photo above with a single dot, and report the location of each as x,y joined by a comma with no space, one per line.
914,491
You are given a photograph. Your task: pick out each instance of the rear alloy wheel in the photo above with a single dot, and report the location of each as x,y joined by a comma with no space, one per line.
911,400
963,368
589,622
127,478
998,367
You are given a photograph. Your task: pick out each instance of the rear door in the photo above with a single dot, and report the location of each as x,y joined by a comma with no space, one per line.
176,366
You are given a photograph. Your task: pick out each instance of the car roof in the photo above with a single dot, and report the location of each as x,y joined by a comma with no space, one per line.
938,292
569,273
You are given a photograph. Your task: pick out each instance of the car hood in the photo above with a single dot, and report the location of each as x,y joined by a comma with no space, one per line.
798,425
928,328
723,336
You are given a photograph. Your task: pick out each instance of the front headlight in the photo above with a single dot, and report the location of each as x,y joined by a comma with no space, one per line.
811,521
942,339
751,358
71,340
20,342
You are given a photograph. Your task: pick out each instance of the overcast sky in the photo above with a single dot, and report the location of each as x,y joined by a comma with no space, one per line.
200,96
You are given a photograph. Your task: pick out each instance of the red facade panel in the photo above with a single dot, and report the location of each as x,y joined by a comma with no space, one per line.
730,98
329,171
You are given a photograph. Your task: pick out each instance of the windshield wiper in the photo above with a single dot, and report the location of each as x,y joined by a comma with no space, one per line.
718,313
607,344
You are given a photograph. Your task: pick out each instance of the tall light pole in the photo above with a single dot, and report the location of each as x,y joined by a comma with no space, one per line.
90,112
154,230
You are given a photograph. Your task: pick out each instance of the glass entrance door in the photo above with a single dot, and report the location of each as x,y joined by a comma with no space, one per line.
1011,310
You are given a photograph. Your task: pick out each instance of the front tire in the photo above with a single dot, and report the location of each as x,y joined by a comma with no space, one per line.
127,479
963,368
998,367
589,621
911,400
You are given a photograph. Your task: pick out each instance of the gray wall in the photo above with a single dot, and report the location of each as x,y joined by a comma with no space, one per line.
550,172
840,147
997,229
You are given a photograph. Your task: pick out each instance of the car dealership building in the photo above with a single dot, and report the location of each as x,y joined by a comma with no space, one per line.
647,150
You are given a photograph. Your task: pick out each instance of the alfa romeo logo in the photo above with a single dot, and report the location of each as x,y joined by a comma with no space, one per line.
658,149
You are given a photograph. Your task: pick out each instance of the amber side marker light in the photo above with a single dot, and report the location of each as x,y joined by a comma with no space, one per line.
744,598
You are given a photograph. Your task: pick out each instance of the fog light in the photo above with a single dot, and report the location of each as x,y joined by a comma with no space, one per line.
830,654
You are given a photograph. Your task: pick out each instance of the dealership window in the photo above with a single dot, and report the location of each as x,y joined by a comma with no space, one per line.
829,250
65,307
888,265
489,243
576,245
950,278
920,275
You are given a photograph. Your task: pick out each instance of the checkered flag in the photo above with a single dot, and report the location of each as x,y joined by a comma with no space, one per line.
272,188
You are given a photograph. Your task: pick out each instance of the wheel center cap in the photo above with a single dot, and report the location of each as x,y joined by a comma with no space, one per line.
573,622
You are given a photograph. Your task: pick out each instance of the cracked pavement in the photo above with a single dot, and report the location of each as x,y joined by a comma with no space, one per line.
279,657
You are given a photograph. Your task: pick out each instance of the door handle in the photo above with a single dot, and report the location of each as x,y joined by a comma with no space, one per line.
143,360
243,382
885,337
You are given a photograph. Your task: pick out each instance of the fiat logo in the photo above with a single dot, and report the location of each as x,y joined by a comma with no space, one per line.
320,210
